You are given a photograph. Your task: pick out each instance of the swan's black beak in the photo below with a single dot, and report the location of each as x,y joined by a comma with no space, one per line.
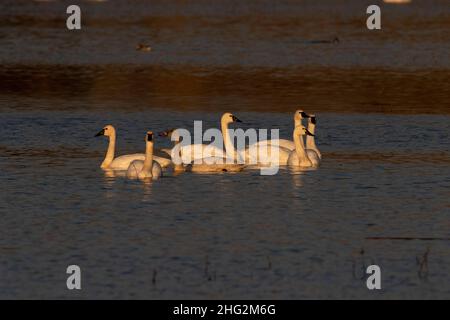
100,133
149,136
235,119
304,115
313,120
309,133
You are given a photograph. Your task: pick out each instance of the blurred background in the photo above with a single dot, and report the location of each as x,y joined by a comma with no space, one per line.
226,55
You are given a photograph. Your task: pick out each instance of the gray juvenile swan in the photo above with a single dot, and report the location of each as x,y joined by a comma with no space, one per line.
147,168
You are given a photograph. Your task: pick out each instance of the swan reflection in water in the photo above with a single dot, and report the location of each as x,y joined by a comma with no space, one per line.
298,175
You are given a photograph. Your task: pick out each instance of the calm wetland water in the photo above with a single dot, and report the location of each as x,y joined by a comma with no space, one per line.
381,195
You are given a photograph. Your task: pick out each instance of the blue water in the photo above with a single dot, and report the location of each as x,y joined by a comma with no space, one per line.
292,235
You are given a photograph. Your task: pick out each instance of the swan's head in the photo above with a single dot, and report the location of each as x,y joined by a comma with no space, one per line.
167,133
312,119
172,134
301,131
106,131
229,118
300,114
149,136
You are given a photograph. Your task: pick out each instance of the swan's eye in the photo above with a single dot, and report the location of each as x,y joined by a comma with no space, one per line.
105,129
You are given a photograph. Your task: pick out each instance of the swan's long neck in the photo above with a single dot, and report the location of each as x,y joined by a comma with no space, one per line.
300,150
229,146
311,140
178,166
148,162
110,153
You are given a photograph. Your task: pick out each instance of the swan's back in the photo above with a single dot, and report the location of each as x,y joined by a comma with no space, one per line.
123,162
287,144
163,162
192,152
252,156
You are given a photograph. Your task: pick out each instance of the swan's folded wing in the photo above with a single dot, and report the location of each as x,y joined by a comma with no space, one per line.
163,162
123,162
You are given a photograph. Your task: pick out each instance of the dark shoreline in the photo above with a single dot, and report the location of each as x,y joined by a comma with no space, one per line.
192,88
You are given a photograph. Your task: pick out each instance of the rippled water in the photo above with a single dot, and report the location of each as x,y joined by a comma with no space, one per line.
380,196
293,235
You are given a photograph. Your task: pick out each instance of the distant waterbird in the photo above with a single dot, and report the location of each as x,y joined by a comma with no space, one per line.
335,40
143,47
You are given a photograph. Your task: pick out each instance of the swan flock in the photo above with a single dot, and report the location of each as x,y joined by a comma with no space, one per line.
220,156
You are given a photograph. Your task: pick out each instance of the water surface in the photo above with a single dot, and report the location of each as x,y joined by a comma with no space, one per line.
381,195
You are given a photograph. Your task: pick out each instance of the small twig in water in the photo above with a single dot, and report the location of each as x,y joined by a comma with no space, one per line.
269,263
423,265
206,266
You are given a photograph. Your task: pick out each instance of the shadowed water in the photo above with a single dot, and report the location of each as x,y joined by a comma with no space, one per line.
381,195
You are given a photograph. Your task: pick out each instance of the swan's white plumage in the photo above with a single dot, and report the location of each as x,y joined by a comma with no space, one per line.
287,144
193,152
124,161
299,115
312,156
203,157
261,154
311,139
147,168
300,157
137,166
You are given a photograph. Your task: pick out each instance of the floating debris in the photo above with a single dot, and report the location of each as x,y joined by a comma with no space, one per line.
334,41
423,265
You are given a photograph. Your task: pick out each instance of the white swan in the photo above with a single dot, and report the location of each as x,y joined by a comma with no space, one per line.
122,162
261,154
310,139
206,165
192,152
147,168
301,157
299,115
